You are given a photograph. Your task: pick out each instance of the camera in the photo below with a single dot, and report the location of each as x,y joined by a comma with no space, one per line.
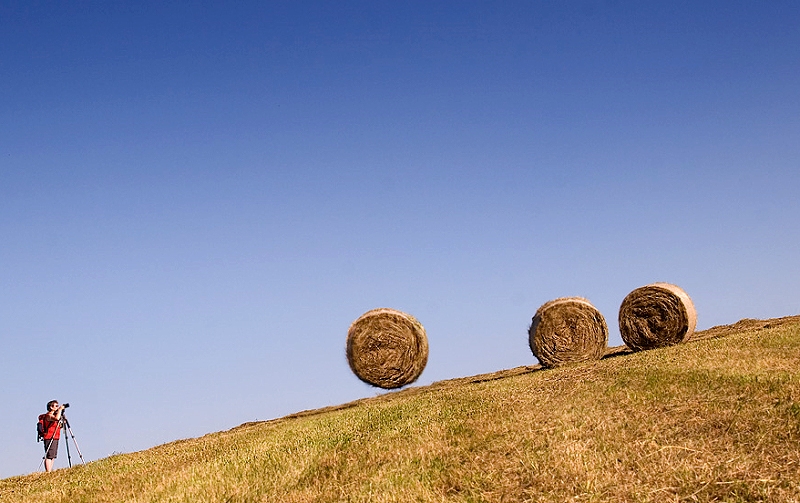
66,405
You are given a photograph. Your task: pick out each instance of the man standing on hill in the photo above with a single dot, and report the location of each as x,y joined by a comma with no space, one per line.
51,432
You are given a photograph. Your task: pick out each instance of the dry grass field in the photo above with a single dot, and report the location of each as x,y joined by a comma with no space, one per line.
716,419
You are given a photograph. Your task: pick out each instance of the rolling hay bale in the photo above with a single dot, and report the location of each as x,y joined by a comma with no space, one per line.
568,330
655,316
387,348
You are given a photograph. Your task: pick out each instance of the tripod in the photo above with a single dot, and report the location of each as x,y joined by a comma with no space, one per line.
67,435
68,429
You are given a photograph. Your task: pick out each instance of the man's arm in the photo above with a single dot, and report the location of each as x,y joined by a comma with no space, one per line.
55,416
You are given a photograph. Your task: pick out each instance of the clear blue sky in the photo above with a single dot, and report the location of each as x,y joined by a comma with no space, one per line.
196,200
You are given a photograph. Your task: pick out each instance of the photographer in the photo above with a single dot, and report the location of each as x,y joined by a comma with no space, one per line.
52,432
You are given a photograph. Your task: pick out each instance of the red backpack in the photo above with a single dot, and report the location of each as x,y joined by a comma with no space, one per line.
43,427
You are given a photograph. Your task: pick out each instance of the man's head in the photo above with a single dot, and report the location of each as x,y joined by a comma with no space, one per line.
52,405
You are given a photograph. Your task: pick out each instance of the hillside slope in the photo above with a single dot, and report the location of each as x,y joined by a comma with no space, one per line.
715,419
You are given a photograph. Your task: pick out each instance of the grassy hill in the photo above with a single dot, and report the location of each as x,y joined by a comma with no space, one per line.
714,420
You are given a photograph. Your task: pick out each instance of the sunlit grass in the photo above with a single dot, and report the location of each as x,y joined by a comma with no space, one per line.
714,420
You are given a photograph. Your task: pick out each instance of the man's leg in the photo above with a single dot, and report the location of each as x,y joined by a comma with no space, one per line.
50,453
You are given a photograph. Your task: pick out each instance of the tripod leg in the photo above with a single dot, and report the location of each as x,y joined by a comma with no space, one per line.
72,435
67,434
66,442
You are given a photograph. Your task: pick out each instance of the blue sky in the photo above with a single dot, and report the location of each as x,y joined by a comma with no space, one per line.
196,200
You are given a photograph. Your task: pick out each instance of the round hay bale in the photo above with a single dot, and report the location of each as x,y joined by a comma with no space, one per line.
655,316
568,330
387,348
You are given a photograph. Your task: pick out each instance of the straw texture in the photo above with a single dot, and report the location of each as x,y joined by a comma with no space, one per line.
567,330
656,315
387,348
